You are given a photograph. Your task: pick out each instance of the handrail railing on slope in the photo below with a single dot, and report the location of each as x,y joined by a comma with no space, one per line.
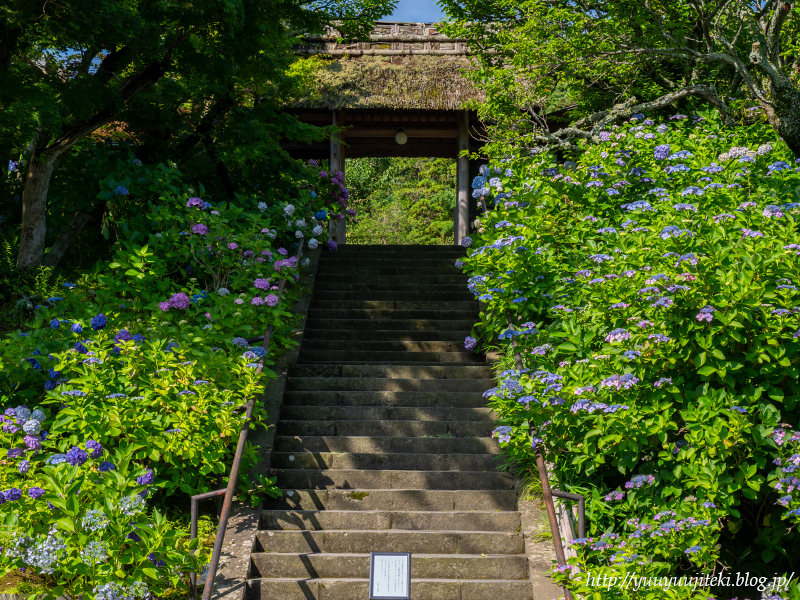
228,491
547,491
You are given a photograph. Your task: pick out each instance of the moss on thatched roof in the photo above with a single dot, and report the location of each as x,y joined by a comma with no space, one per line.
407,82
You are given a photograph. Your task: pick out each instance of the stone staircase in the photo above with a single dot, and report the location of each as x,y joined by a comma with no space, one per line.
384,444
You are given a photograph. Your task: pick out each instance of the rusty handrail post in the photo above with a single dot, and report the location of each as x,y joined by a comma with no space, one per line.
208,588
193,532
543,478
581,509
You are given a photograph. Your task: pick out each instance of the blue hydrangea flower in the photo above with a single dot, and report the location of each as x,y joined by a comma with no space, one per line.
99,322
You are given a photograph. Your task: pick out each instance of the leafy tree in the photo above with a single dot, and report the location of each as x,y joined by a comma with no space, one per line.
602,50
71,68
402,200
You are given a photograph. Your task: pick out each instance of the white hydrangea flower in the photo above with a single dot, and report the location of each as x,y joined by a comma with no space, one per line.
301,223
262,206
158,235
298,234
305,262
183,322
288,209
312,244
273,233
317,230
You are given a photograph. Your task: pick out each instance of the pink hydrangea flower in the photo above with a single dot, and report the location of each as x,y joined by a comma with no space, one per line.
271,300
233,246
208,316
165,306
265,230
238,301
200,229
257,301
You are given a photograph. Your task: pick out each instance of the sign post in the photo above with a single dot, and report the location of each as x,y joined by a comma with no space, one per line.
390,576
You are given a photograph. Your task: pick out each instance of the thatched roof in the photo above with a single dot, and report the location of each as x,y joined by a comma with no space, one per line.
397,82
401,66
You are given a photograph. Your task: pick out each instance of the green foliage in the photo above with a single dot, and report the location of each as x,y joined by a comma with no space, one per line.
143,364
402,200
654,300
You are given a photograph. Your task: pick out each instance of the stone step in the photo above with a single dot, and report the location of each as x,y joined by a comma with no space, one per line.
385,335
367,286
402,445
399,249
381,277
416,461
352,479
384,413
429,399
361,357
356,566
332,262
385,384
356,589
418,500
376,520
370,428
391,540
409,294
357,304
418,324
392,313
344,346
483,371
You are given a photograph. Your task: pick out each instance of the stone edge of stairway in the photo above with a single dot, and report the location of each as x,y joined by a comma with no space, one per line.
230,582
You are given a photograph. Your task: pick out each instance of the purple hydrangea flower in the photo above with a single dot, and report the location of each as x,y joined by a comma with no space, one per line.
271,300
95,448
24,467
200,229
99,322
107,466
618,335
36,492
180,301
146,479
12,494
470,343
706,314
76,456
661,152
195,202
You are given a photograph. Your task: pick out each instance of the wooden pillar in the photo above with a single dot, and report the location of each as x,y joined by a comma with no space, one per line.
461,213
337,229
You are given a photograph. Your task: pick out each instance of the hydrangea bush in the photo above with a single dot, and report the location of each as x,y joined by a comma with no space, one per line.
651,285
127,390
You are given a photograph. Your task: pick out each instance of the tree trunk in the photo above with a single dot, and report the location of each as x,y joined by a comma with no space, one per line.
785,118
34,210
66,239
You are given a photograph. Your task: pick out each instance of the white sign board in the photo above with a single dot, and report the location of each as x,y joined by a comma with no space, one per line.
390,576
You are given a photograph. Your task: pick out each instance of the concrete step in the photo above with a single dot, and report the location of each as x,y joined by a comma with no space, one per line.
381,277
417,500
376,520
392,540
430,399
370,428
386,335
361,357
418,324
483,371
356,566
356,589
416,461
384,413
411,291
386,384
401,445
344,346
391,313
351,479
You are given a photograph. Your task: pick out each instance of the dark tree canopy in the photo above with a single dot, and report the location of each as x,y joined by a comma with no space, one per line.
595,53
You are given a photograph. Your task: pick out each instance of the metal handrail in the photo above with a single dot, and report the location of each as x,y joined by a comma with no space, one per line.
547,491
228,491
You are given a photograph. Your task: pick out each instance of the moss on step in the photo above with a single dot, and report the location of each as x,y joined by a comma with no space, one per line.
358,495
